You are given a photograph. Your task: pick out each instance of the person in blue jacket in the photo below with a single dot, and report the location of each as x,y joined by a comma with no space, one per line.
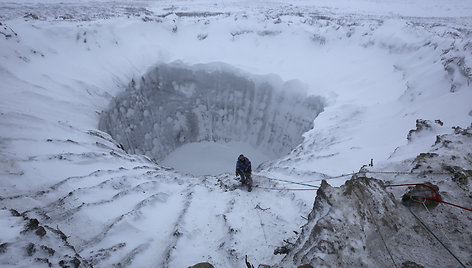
243,169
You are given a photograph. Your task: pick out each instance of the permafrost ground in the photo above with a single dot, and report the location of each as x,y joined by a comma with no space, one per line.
70,195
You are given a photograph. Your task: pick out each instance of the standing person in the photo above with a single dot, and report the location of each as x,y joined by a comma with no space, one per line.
243,168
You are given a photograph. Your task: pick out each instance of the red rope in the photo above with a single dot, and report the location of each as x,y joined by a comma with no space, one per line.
436,198
453,205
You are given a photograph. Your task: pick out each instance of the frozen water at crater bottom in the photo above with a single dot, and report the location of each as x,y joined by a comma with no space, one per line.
212,158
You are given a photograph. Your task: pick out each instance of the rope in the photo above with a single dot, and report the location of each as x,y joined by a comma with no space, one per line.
407,173
285,189
313,187
377,226
292,182
335,177
304,183
452,204
431,219
431,232
436,198
381,172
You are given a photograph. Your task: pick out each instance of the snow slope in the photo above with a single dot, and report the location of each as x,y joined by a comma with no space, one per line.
379,66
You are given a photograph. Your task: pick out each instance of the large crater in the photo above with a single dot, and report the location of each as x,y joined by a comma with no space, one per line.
174,104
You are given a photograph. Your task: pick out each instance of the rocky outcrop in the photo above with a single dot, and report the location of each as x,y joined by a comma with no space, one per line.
202,265
348,226
363,223
423,126
419,195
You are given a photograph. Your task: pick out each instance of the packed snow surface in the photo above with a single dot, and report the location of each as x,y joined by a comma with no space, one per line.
71,195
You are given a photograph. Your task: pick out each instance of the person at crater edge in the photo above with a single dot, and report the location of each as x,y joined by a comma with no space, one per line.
243,168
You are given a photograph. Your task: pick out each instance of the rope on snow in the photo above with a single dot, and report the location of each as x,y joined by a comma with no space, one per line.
381,172
439,240
286,189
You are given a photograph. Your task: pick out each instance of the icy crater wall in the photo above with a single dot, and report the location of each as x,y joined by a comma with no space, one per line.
176,104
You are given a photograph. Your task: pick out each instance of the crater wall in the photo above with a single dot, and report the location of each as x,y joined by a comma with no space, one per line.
174,104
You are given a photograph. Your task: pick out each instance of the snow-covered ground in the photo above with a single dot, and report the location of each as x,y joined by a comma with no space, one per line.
378,65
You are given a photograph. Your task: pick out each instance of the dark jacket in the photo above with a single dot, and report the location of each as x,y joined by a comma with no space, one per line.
243,166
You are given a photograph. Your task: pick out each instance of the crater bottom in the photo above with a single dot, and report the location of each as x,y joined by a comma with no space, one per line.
212,158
